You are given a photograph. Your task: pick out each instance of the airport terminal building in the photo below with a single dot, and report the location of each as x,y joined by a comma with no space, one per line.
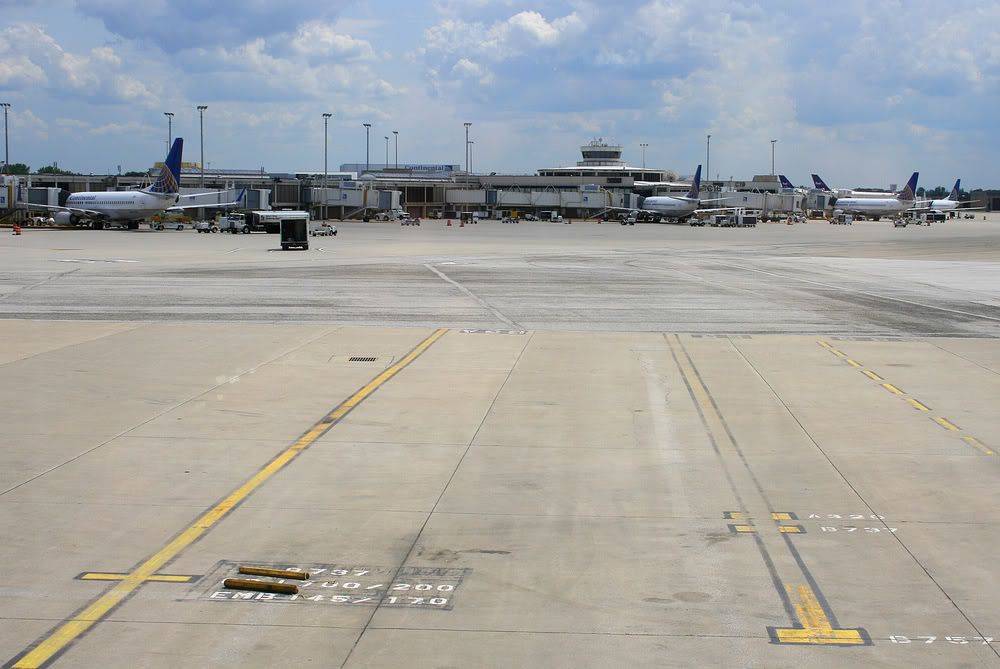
598,185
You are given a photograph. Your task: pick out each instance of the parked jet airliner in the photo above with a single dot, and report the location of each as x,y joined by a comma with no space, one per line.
881,206
950,203
677,207
133,206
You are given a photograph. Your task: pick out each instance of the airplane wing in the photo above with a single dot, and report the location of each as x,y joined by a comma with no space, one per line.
181,207
698,211
73,210
190,196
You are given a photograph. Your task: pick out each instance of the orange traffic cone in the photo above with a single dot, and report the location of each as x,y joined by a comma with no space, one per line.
461,223
449,222
17,229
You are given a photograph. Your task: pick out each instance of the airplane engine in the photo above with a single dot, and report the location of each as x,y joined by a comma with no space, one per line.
65,218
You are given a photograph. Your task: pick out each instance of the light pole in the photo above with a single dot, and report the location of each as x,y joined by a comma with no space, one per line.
395,136
6,145
467,147
471,164
368,145
708,157
643,146
386,151
170,128
773,141
201,128
326,119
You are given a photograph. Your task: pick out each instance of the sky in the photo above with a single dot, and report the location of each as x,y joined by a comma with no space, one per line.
861,92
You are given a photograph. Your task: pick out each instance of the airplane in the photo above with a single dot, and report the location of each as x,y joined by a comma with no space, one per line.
785,183
132,206
676,207
953,201
819,184
878,206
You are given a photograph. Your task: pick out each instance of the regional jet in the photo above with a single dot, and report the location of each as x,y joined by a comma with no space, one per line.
133,206
953,201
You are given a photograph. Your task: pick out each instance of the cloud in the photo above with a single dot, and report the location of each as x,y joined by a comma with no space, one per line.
95,74
467,69
321,39
204,23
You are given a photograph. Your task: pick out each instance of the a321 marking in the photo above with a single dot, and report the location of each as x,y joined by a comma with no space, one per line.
955,640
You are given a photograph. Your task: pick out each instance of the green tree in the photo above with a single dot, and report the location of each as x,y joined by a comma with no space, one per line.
16,168
53,169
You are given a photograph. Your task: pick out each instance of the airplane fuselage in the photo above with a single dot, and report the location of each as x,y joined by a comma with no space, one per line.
122,205
872,206
944,205
670,207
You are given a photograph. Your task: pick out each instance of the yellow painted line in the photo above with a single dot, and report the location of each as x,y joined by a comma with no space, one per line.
972,441
791,529
917,405
816,628
734,515
161,578
782,515
945,423
854,363
872,375
743,529
65,634
892,389
831,349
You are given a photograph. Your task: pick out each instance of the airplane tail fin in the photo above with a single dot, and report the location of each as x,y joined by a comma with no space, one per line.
696,186
955,191
169,178
820,184
910,189
785,183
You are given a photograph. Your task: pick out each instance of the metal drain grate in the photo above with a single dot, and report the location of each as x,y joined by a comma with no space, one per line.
359,358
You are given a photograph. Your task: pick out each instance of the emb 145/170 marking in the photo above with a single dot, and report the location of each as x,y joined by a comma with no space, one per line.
407,587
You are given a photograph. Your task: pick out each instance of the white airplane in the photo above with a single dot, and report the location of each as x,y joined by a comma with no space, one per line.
950,203
819,184
877,207
132,206
677,207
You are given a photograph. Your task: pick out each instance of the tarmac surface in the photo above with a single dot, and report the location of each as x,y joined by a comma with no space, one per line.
534,445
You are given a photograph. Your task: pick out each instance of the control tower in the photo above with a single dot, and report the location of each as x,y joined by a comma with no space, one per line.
599,153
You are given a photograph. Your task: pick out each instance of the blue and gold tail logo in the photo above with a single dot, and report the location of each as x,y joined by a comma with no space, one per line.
169,178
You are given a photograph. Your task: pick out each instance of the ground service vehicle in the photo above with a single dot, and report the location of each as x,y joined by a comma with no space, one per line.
294,233
270,221
324,230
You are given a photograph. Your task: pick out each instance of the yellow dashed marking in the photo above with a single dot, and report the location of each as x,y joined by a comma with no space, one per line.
946,424
972,441
871,375
854,363
791,529
782,515
892,389
917,405
743,529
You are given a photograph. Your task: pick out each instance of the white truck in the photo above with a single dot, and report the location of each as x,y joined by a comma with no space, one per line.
391,215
